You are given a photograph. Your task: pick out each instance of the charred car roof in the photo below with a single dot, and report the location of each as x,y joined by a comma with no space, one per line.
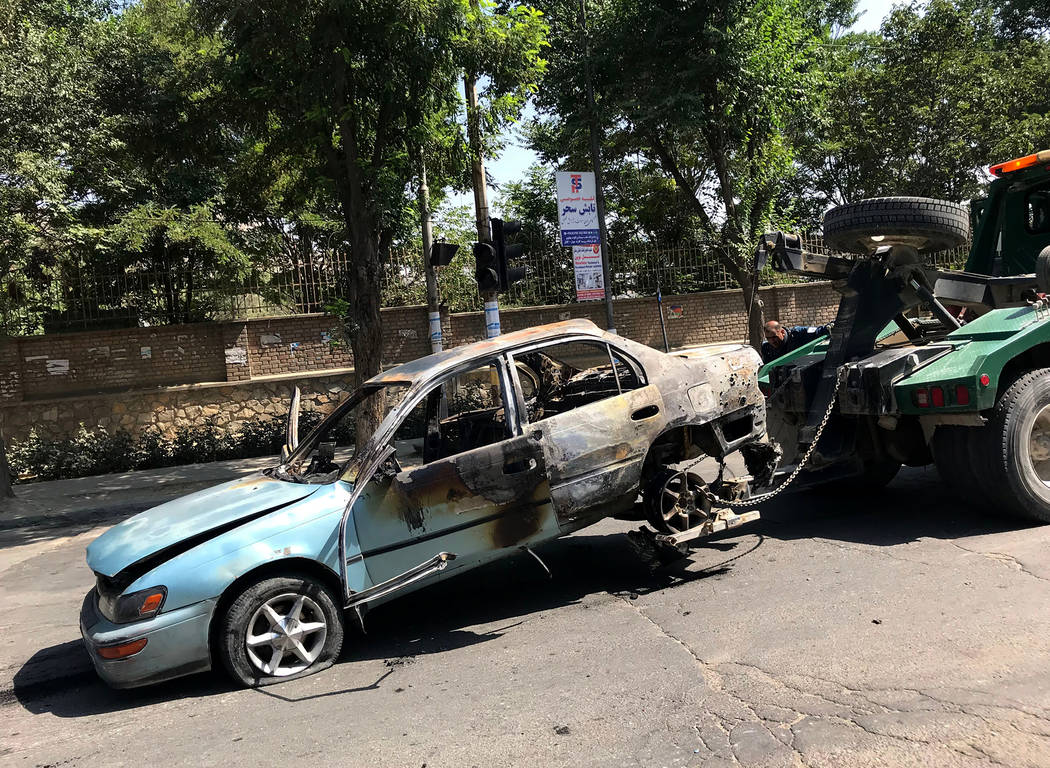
426,367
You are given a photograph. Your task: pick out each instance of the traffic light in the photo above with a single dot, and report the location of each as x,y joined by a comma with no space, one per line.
486,271
501,230
441,253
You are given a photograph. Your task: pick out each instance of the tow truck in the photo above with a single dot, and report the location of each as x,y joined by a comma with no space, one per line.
923,365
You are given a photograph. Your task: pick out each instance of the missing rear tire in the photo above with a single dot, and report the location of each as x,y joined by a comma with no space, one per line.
675,500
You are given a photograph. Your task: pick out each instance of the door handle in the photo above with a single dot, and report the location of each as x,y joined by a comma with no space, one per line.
645,413
519,466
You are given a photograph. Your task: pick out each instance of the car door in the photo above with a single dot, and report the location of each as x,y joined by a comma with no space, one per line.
462,479
606,418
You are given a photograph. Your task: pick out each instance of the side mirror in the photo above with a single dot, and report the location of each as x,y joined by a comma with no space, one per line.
291,432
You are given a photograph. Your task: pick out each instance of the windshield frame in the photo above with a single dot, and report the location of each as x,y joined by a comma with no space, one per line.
309,444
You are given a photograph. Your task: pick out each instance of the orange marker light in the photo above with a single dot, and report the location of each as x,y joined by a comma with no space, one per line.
121,651
151,603
1020,163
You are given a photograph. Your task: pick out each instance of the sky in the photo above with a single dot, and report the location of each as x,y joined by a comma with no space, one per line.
510,166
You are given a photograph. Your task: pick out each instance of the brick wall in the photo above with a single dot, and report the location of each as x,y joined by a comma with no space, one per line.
223,372
118,359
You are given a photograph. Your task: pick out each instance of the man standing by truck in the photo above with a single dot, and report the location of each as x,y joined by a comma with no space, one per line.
780,340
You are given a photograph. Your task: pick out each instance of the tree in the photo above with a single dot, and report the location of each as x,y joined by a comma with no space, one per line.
155,181
47,108
925,106
354,87
711,92
44,110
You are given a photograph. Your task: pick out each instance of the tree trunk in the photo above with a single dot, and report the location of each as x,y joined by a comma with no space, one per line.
364,326
752,306
6,491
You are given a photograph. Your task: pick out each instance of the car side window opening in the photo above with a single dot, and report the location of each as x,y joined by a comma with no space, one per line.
560,377
463,412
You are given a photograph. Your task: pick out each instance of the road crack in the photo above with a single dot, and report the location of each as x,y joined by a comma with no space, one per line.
855,701
1003,558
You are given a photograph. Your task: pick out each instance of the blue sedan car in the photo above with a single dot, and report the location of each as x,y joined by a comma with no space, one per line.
481,451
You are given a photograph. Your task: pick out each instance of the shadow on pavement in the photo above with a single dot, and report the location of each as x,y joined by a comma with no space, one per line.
15,533
76,691
432,620
915,505
439,618
60,680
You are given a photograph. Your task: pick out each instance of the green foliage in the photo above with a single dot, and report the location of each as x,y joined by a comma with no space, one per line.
922,108
708,96
47,110
98,451
359,95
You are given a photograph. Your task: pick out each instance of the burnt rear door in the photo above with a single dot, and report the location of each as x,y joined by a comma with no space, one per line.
463,479
596,415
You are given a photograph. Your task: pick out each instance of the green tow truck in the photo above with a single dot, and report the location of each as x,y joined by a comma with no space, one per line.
964,384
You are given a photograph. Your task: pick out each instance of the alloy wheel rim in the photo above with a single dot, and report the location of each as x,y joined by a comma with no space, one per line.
678,501
286,635
1039,445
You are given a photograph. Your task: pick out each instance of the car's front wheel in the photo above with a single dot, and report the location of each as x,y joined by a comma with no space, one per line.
280,628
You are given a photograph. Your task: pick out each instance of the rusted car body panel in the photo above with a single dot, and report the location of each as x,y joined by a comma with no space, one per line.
574,446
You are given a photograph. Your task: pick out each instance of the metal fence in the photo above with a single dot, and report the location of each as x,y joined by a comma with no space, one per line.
71,297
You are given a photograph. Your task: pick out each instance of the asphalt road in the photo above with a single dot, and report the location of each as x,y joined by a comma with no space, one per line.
898,629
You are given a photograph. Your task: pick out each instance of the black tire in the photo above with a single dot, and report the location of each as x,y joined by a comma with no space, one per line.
953,447
318,604
1003,448
927,224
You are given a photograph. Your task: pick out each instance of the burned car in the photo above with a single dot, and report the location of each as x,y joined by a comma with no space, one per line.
482,451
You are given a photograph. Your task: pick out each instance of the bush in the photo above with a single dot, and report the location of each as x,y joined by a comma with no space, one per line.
97,451
263,437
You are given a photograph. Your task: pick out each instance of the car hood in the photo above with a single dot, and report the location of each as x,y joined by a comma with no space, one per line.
193,518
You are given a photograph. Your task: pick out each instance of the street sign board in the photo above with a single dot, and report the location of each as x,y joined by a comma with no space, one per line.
577,208
587,262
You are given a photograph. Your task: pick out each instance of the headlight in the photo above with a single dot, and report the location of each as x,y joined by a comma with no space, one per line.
134,607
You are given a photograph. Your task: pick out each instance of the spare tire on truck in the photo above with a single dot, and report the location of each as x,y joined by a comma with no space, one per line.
921,222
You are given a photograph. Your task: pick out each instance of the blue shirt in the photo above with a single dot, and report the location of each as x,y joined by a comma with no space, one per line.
797,336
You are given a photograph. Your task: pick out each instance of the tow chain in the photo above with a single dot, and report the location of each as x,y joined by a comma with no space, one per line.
840,379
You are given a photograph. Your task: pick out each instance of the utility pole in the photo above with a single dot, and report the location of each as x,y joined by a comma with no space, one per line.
433,300
481,201
592,114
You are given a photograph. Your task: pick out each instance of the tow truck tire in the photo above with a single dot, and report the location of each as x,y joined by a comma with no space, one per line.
922,222
1010,477
952,449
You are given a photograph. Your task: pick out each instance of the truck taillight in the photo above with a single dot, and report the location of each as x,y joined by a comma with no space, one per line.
962,395
922,397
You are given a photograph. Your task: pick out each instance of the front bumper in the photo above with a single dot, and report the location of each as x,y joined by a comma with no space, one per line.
177,643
